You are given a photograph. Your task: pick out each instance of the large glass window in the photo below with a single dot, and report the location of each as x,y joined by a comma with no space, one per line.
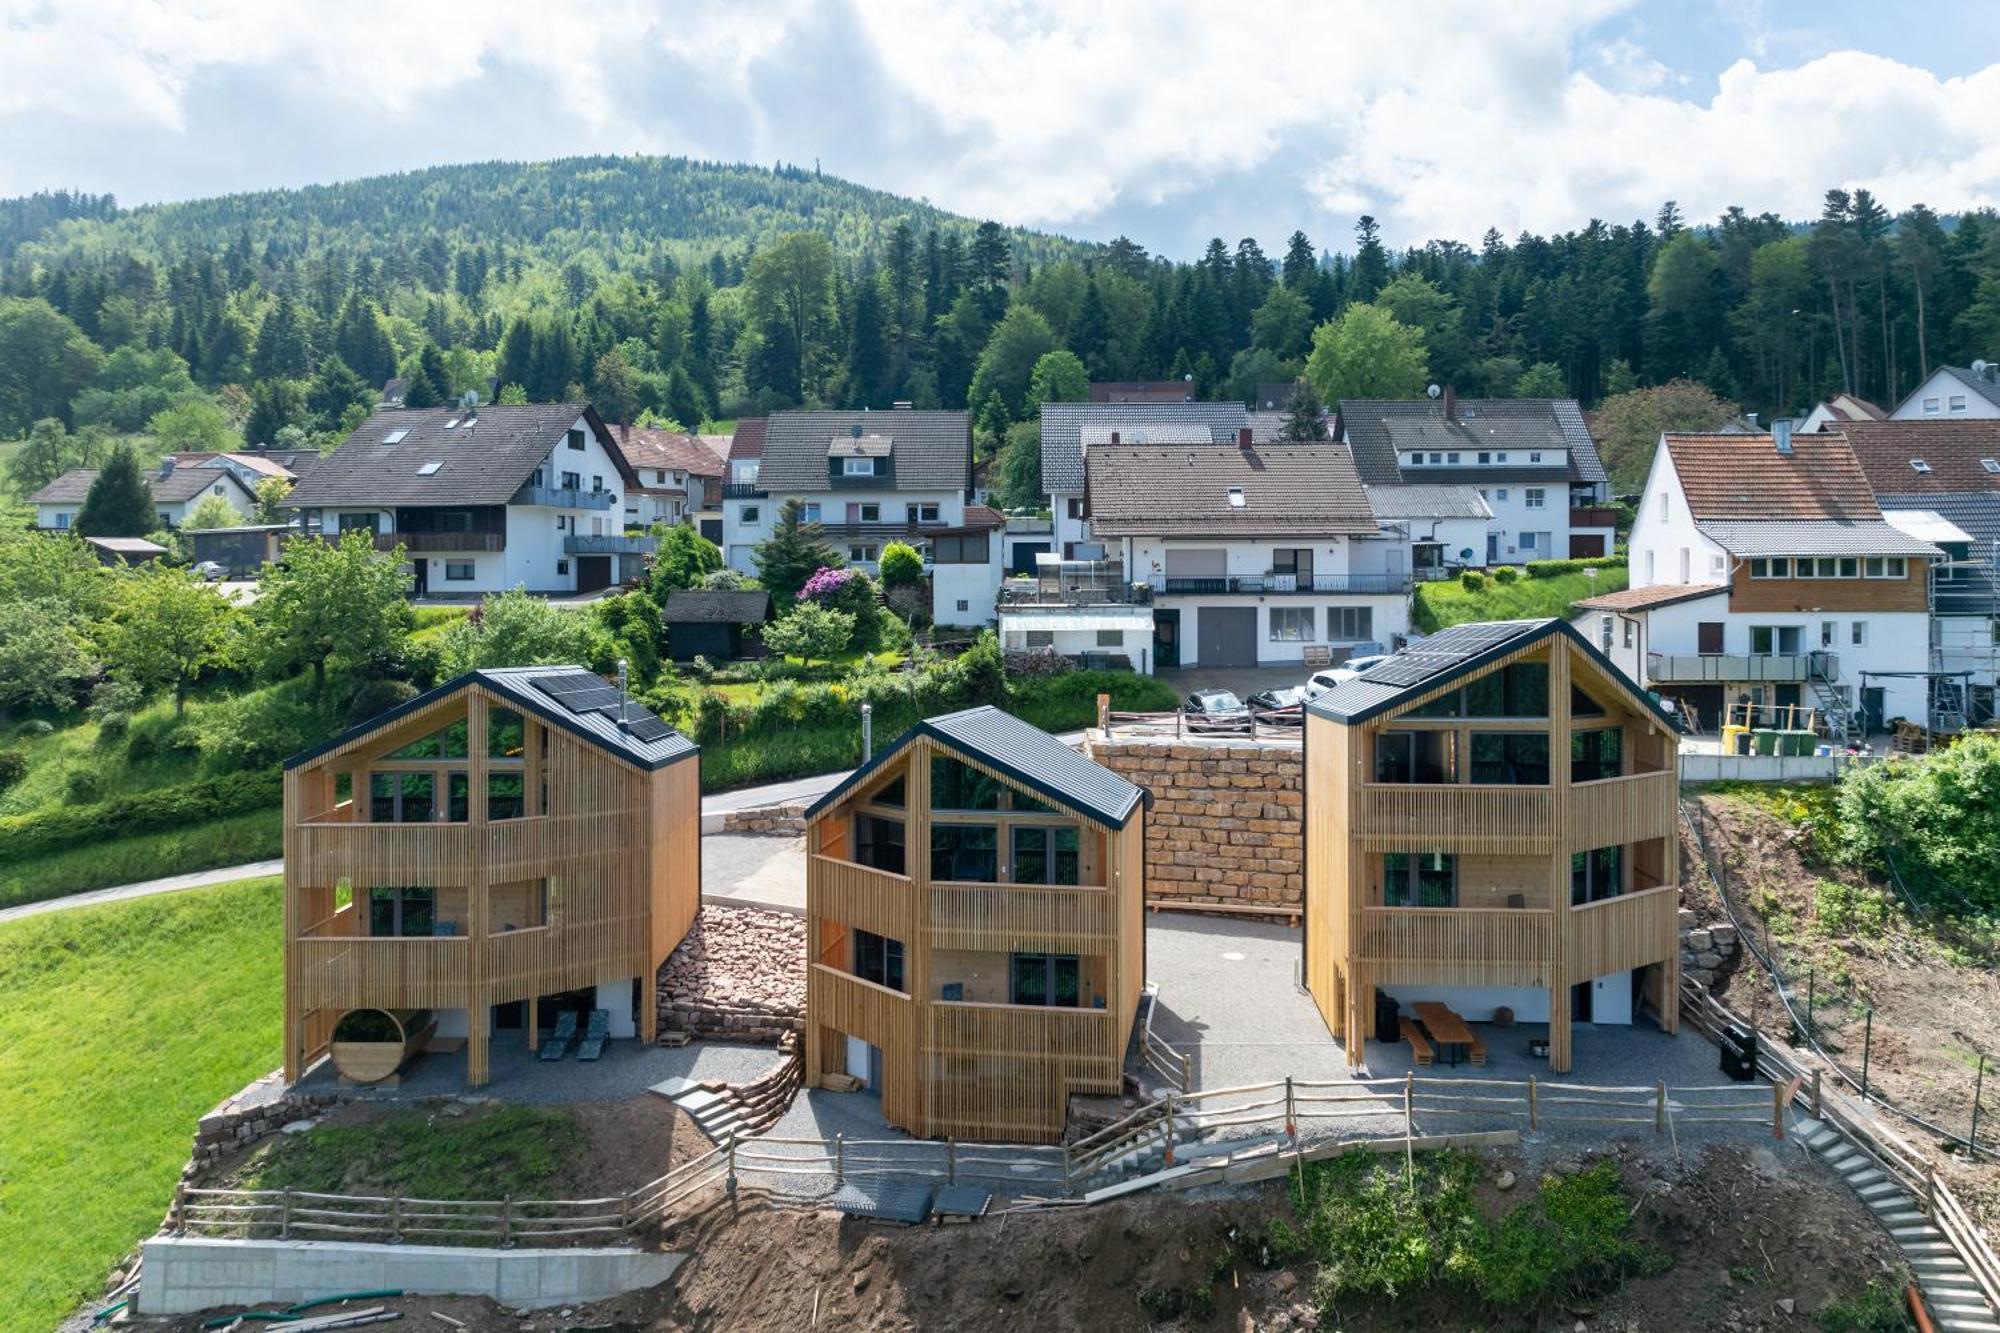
960,786
445,743
1511,759
878,842
878,959
1520,690
401,798
1596,874
505,734
505,796
402,911
1291,624
1596,754
1415,756
458,797
1419,879
1045,855
1043,978
968,852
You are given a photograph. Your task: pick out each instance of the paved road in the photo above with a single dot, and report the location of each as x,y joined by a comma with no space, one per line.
147,888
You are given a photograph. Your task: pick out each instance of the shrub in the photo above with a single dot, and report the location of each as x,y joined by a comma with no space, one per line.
61,827
13,767
1936,815
1506,574
142,747
35,726
81,786
893,635
1471,580
728,580
112,728
377,697
115,696
1549,569
901,566
852,592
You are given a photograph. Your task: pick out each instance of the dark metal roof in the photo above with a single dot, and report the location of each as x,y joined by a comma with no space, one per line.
1977,514
1022,752
1455,654
930,451
716,606
1063,426
483,463
581,702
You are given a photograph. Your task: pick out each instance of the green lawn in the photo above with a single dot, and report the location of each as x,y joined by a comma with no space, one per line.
119,1026
255,836
1440,605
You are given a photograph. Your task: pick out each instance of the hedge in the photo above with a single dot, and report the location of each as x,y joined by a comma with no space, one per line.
1549,569
62,827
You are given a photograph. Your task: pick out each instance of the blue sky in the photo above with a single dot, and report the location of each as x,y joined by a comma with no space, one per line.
1168,120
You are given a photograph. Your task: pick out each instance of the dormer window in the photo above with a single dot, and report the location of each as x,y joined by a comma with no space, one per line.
1236,500
1920,467
857,467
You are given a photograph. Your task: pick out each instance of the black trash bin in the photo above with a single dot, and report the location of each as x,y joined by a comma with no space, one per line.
1739,1053
1387,1026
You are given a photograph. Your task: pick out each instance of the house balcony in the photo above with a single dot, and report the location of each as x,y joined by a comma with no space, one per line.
743,490
1023,918
417,543
562,497
605,544
382,972
1273,582
1033,594
1593,516
1456,946
1622,810
861,897
1455,817
1617,934
1721,668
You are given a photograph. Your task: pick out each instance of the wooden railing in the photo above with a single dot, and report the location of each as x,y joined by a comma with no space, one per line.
1457,946
1455,817
859,1008
389,972
379,853
860,896
1026,918
1617,934
1616,811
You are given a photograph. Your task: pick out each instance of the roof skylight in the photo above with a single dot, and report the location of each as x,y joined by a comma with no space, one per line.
1919,466
429,469
1236,497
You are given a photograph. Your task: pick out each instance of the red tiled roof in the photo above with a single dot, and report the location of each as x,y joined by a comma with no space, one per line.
748,441
1744,477
648,448
1644,599
1953,451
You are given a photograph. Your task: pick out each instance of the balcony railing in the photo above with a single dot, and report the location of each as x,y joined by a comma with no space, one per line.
416,543
743,490
562,497
394,972
1455,817
1025,594
1275,582
1593,516
583,543
1457,946
1618,934
1022,918
1622,810
862,897
1718,668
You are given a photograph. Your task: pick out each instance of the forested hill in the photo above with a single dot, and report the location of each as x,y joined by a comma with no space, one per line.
629,206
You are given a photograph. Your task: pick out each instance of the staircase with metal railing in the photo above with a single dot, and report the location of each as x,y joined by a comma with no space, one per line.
1830,699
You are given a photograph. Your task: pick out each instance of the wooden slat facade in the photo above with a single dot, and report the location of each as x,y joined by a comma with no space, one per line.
598,878
977,1067
1512,923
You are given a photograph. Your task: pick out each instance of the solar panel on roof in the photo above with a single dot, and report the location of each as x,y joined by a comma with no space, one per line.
650,728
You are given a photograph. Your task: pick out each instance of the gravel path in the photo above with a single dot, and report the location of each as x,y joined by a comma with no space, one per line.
627,1069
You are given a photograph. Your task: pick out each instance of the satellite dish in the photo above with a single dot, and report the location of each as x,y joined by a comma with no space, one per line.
1465,553
1434,391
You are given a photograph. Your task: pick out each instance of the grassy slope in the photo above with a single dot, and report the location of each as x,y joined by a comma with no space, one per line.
1440,605
255,836
119,1026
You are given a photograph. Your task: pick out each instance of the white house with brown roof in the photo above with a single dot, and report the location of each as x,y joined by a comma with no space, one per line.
679,475
176,490
1824,604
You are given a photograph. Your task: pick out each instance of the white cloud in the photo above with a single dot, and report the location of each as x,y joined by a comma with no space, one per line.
1440,118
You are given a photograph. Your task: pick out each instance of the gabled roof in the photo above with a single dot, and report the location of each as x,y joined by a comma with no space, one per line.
484,456
1140,391
928,451
262,464
1850,407
578,701
1428,501
748,441
1650,597
1954,455
1745,538
1379,427
1986,384
176,487
1224,490
672,450
1063,426
1978,516
1018,751
716,606
1746,478
1433,662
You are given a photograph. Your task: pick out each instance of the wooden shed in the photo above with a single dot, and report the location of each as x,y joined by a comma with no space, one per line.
514,839
715,623
975,930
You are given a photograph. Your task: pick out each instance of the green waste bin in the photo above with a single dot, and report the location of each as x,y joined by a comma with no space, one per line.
1800,743
1766,742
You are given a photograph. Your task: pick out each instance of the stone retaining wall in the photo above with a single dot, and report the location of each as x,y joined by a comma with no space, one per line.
1224,829
777,821
1706,951
262,1108
740,974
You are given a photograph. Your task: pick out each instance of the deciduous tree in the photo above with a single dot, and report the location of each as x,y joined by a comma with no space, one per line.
168,628
332,603
1367,354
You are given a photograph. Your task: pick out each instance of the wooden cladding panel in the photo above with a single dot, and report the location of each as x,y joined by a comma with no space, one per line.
1461,818
1018,918
675,871
839,1004
863,898
1621,810
1328,802
1455,946
1005,1072
1126,870
357,972
1831,596
1620,933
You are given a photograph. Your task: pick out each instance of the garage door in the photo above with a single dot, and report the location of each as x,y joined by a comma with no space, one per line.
1228,635
1586,546
1024,557
593,572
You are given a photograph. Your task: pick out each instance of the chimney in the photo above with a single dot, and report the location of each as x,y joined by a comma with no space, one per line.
1450,403
167,466
1242,437
1781,436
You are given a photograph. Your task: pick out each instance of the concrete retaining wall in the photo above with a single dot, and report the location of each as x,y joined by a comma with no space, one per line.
1225,822
1761,767
183,1274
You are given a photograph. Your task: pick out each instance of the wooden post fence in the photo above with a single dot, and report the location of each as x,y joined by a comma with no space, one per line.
950,1162
1534,1119
507,1219
1660,1107
1291,1112
840,1159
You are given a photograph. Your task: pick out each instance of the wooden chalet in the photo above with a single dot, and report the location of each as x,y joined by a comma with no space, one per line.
979,982
1489,822
515,841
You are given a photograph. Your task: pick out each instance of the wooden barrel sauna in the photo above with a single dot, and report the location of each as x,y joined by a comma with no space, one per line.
370,1045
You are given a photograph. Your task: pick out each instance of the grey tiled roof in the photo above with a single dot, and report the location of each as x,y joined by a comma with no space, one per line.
716,606
1063,425
485,464
523,687
182,484
1143,490
1989,389
1428,501
1751,537
1978,515
929,451
1378,427
1021,752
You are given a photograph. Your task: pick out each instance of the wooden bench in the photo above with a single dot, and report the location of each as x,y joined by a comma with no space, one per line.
1477,1049
1420,1049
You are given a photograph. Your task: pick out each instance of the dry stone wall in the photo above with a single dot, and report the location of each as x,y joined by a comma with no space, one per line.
739,974
1224,828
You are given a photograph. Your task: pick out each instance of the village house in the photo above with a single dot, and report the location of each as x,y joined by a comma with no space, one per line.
176,490
975,901
1490,838
678,476
1954,393
1808,599
512,846
484,499
1531,459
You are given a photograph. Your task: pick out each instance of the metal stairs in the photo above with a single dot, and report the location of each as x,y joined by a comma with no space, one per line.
1947,1285
1830,700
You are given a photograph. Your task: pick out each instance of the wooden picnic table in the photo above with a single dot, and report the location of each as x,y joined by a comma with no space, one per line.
1446,1028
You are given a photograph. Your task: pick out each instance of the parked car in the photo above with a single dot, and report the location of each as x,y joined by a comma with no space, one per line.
211,571
1287,707
1322,681
1215,710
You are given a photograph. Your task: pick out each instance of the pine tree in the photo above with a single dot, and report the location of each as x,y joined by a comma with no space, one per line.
793,553
119,503
1369,273
1305,415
